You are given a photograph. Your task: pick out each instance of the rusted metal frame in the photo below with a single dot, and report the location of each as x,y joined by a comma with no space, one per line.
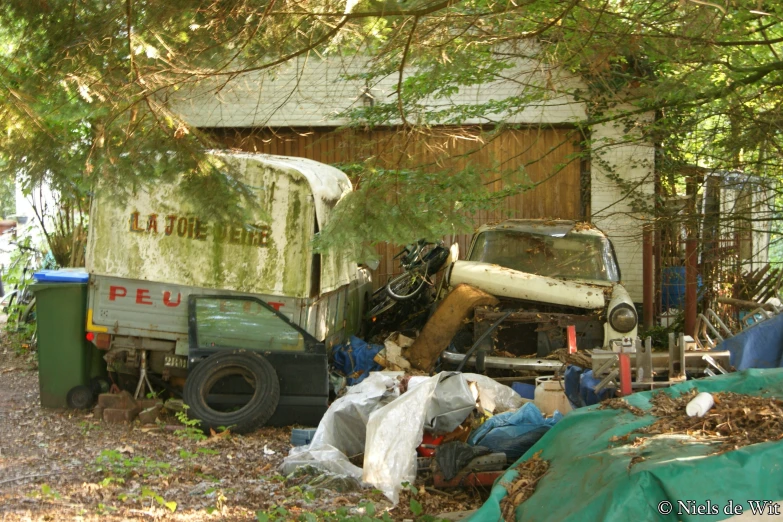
660,360
508,363
691,269
563,320
648,279
478,342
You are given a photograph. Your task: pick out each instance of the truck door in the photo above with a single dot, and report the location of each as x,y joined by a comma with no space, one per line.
240,351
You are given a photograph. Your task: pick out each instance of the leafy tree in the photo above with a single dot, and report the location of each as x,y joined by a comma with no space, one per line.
84,84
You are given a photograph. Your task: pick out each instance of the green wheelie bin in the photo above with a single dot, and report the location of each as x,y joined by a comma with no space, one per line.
69,366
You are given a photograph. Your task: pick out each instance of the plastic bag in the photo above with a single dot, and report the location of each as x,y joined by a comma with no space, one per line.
341,432
513,432
395,431
355,359
493,396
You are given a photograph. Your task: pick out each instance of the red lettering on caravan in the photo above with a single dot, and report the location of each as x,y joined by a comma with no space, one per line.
143,297
276,306
117,291
167,299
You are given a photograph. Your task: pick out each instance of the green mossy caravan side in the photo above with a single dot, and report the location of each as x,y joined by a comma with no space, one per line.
157,235
238,318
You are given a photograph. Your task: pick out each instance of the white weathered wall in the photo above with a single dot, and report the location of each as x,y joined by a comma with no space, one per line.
310,92
634,162
314,93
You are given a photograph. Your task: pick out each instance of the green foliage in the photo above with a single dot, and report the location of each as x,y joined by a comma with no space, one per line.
7,196
191,428
114,463
415,506
187,455
88,427
399,206
85,91
103,509
46,493
150,494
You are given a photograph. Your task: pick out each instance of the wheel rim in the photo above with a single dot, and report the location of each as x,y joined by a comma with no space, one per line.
406,287
230,391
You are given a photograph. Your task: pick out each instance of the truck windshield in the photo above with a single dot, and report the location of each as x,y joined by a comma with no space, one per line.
574,256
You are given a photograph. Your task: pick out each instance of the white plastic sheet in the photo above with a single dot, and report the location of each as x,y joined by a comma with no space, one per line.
373,418
493,396
393,434
396,430
341,432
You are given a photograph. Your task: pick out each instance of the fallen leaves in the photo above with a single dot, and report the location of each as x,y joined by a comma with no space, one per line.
621,404
157,475
524,485
735,421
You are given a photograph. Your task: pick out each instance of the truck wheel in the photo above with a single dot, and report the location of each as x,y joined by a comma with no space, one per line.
238,390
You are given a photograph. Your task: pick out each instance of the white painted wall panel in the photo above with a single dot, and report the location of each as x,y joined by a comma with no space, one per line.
614,154
309,92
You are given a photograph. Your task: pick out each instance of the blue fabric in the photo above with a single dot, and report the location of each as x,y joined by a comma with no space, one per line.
513,432
760,346
580,387
355,359
525,390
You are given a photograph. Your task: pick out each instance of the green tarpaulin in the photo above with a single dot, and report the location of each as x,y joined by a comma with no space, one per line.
590,478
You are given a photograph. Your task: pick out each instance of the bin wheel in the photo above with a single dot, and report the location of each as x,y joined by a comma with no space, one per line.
80,398
237,389
99,385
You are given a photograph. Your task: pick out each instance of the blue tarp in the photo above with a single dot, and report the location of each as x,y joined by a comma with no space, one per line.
513,432
355,359
580,387
760,346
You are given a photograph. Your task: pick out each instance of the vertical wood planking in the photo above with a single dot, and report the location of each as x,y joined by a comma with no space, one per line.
536,151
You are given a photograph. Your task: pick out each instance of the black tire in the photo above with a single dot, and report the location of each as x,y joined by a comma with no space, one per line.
405,286
222,365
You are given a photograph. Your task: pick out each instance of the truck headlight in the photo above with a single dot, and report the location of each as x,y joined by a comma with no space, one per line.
623,318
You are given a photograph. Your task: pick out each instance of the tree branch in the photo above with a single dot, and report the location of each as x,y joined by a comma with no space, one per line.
405,52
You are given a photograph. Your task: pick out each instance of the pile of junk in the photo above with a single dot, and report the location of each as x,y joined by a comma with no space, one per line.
460,429
535,304
536,309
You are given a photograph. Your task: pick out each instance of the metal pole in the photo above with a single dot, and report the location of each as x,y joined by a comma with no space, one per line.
648,277
690,286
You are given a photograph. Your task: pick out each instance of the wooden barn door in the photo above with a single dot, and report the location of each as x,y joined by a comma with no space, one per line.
549,157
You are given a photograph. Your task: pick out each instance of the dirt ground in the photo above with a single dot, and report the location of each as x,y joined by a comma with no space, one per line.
65,464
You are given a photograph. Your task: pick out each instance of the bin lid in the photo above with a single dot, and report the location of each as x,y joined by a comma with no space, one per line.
64,275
